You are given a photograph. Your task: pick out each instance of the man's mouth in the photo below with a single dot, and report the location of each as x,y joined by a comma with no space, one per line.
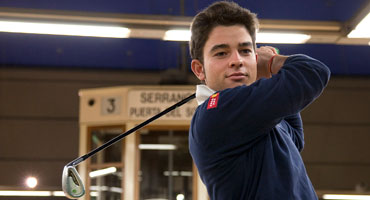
237,76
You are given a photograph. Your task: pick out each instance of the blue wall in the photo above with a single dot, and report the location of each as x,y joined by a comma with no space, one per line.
134,54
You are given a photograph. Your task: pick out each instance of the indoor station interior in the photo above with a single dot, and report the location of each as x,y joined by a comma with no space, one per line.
65,93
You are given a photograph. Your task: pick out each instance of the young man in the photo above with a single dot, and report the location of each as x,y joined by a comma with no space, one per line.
246,134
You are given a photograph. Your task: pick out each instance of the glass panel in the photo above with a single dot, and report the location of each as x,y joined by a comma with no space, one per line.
165,173
110,154
106,186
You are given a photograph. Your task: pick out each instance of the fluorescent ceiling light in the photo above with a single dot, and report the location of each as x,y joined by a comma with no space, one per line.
157,146
173,173
102,172
34,193
106,188
346,197
25,193
64,29
94,194
177,173
362,30
58,193
263,37
282,38
177,35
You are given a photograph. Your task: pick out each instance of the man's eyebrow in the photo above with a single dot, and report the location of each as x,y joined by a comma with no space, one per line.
245,44
224,46
219,46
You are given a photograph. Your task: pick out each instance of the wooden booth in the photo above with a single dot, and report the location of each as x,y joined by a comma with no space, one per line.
152,163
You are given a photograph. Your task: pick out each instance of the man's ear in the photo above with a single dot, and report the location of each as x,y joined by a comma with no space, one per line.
198,69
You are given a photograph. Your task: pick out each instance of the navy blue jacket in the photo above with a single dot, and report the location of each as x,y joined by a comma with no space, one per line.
248,145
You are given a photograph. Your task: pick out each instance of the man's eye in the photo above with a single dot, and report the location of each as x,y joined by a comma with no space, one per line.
246,51
220,54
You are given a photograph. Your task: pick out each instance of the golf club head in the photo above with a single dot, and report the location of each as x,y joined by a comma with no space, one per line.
72,184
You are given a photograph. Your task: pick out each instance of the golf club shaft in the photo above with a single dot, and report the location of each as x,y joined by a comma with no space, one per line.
122,135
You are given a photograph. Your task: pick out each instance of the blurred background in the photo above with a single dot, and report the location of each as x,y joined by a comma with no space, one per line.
41,76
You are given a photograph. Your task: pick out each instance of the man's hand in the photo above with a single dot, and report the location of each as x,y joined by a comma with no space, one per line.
269,62
265,53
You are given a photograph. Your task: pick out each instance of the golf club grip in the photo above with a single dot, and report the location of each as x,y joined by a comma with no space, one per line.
122,135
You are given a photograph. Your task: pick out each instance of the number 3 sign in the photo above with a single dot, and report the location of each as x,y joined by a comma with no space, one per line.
111,105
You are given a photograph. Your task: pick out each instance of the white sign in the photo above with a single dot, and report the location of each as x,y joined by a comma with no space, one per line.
143,104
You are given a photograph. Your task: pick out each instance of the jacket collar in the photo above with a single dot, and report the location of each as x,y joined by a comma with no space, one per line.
203,92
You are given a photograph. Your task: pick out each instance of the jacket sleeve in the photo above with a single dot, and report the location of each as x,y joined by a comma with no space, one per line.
299,82
294,129
246,112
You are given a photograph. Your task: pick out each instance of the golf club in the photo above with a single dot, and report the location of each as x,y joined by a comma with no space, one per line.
72,184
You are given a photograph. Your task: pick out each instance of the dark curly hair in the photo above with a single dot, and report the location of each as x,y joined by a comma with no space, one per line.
219,13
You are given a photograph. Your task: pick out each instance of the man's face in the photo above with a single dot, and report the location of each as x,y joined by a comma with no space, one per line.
229,58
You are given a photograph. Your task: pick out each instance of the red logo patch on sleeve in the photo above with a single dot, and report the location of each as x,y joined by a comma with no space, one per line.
212,103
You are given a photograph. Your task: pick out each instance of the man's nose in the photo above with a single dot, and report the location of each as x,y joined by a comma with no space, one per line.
236,60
